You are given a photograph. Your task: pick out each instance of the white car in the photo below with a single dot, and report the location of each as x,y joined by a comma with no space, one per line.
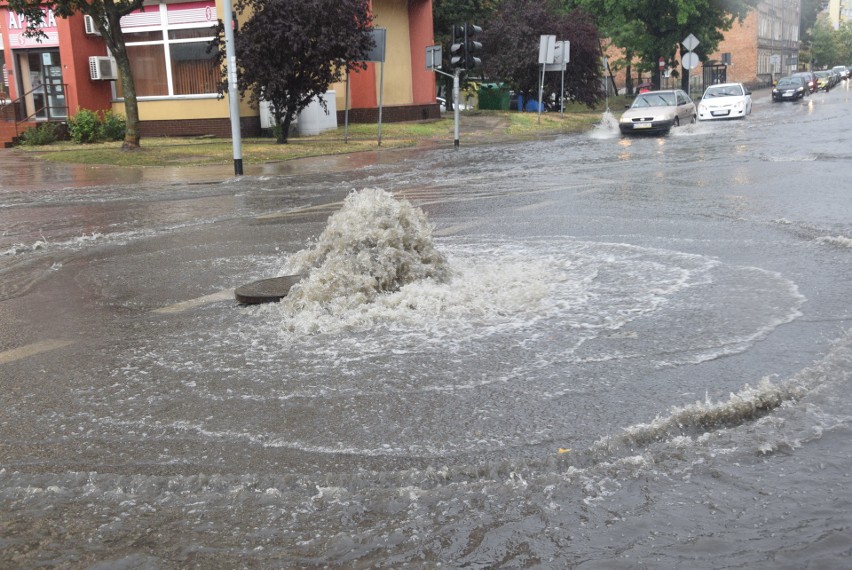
725,101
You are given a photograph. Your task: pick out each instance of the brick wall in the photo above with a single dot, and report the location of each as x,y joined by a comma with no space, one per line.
249,126
394,114
741,42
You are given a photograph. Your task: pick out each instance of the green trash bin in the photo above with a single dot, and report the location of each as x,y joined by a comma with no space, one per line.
494,96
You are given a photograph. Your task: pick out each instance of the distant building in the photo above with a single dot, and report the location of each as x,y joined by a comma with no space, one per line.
761,49
839,12
176,78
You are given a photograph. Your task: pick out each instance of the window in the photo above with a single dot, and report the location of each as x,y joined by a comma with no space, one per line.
167,47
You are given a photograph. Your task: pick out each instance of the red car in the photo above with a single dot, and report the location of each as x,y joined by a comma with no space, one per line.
810,79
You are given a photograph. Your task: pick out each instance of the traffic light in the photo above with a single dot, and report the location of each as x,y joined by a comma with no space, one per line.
464,47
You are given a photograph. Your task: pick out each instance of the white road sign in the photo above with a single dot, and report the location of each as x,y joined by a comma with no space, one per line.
690,42
690,60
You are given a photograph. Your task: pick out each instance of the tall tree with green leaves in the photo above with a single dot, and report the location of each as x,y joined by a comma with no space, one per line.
511,42
825,45
661,25
107,15
290,51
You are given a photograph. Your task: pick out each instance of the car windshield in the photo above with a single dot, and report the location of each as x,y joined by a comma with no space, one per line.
788,83
724,91
654,100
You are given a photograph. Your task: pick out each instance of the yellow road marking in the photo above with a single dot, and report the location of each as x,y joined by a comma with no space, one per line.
192,303
32,349
297,211
448,231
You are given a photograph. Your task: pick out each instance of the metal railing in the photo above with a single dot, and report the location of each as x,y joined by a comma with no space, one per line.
16,110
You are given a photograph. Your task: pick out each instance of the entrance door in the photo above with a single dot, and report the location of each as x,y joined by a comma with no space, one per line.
41,78
57,107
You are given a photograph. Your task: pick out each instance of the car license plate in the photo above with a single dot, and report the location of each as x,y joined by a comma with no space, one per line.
720,113
642,125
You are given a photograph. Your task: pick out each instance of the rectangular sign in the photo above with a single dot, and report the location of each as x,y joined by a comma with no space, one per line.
434,55
546,49
377,54
561,57
17,25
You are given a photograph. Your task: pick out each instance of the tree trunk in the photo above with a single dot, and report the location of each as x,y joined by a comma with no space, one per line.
284,130
115,41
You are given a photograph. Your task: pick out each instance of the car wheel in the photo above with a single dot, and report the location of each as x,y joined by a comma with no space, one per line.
676,122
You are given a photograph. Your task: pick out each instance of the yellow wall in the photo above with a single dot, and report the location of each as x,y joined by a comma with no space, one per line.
393,16
175,109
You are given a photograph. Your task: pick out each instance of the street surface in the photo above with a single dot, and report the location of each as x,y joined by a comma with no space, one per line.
611,353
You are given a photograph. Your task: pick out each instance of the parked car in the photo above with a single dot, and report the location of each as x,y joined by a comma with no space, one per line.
842,70
810,78
825,80
725,101
790,89
657,112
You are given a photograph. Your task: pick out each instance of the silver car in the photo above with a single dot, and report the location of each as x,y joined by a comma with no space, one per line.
657,112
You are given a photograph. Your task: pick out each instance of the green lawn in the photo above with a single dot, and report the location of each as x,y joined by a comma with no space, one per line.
478,127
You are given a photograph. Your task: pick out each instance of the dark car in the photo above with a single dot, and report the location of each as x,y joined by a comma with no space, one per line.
790,89
810,78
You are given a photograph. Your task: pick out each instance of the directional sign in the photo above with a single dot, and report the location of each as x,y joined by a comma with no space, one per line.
690,42
690,60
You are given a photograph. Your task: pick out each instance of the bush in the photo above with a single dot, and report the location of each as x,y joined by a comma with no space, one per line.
85,127
113,126
42,134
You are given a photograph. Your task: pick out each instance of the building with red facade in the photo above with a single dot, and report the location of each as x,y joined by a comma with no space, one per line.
176,79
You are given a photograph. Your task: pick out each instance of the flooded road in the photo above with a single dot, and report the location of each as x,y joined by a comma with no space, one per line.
607,352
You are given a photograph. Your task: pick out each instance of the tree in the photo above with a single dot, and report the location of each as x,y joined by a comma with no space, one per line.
511,43
825,45
290,51
107,15
663,24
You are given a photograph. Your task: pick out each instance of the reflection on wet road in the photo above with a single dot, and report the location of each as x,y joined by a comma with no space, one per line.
638,357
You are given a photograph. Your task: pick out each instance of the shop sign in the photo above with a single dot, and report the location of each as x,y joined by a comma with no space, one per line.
16,25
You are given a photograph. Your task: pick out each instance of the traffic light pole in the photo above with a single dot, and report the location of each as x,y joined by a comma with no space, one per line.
456,107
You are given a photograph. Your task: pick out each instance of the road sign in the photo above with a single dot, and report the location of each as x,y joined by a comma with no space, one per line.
434,54
690,60
377,53
561,57
690,42
662,64
547,49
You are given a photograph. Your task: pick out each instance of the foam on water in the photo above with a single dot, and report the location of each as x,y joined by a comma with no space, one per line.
607,128
374,245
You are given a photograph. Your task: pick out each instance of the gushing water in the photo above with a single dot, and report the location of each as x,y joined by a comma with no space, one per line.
375,244
607,127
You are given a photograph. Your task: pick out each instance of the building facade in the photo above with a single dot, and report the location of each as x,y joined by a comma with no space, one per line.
175,77
765,46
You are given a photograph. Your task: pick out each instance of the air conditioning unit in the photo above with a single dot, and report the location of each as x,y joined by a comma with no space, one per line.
91,27
102,68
